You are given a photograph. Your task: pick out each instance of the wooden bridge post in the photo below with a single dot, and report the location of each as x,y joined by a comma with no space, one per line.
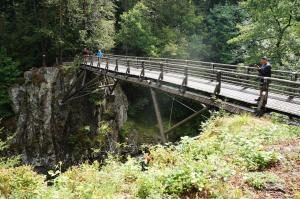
185,80
161,75
142,75
158,115
247,70
218,86
98,64
117,66
44,60
212,66
294,76
128,69
91,60
106,66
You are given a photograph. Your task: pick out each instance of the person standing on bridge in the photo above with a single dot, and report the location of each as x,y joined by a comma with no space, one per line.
264,70
99,54
85,54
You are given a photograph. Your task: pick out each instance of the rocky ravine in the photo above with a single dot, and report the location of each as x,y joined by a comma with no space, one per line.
48,132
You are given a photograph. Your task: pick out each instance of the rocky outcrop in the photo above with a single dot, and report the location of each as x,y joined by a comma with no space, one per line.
48,132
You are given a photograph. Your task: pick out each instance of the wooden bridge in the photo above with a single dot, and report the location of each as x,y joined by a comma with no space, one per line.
230,87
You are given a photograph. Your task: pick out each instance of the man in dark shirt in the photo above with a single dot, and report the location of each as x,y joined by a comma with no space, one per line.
264,70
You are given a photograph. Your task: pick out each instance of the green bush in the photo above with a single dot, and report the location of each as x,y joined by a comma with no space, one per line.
260,180
20,182
229,147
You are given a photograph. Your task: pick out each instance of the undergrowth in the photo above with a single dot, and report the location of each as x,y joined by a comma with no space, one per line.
205,166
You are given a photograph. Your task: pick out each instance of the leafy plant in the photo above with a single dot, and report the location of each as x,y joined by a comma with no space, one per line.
260,180
9,72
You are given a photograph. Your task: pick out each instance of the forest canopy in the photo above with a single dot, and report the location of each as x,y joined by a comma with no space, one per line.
230,31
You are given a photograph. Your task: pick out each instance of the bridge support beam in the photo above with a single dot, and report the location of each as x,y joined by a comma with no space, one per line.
158,115
186,120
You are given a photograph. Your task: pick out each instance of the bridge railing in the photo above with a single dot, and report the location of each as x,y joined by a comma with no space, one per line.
212,72
281,74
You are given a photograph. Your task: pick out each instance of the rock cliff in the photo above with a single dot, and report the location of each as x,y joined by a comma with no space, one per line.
48,132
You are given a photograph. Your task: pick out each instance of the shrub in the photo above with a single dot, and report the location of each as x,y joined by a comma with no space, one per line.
20,182
260,180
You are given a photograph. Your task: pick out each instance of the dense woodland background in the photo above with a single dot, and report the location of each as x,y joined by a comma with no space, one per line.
227,31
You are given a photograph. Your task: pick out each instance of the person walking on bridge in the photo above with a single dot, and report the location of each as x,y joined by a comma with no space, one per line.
264,70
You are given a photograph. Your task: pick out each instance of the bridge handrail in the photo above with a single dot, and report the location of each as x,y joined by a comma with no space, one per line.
202,62
181,70
214,70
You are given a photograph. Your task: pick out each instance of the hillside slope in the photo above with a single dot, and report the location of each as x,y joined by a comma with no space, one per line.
235,157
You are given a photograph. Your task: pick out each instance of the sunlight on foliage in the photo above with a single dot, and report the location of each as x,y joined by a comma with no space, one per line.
205,166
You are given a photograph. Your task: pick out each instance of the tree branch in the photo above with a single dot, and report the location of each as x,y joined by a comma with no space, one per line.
276,20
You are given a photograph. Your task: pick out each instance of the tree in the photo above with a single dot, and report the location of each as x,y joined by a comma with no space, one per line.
218,27
56,28
136,31
159,28
9,73
270,30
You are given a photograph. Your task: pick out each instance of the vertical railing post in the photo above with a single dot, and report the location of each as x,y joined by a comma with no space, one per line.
161,74
44,60
294,77
91,60
212,66
186,74
98,64
117,66
219,80
84,59
142,74
106,66
128,69
185,80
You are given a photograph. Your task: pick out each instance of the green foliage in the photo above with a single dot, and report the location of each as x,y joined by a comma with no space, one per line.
72,67
9,72
260,180
136,24
204,166
159,28
56,28
218,27
271,29
6,160
177,29
138,107
20,182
